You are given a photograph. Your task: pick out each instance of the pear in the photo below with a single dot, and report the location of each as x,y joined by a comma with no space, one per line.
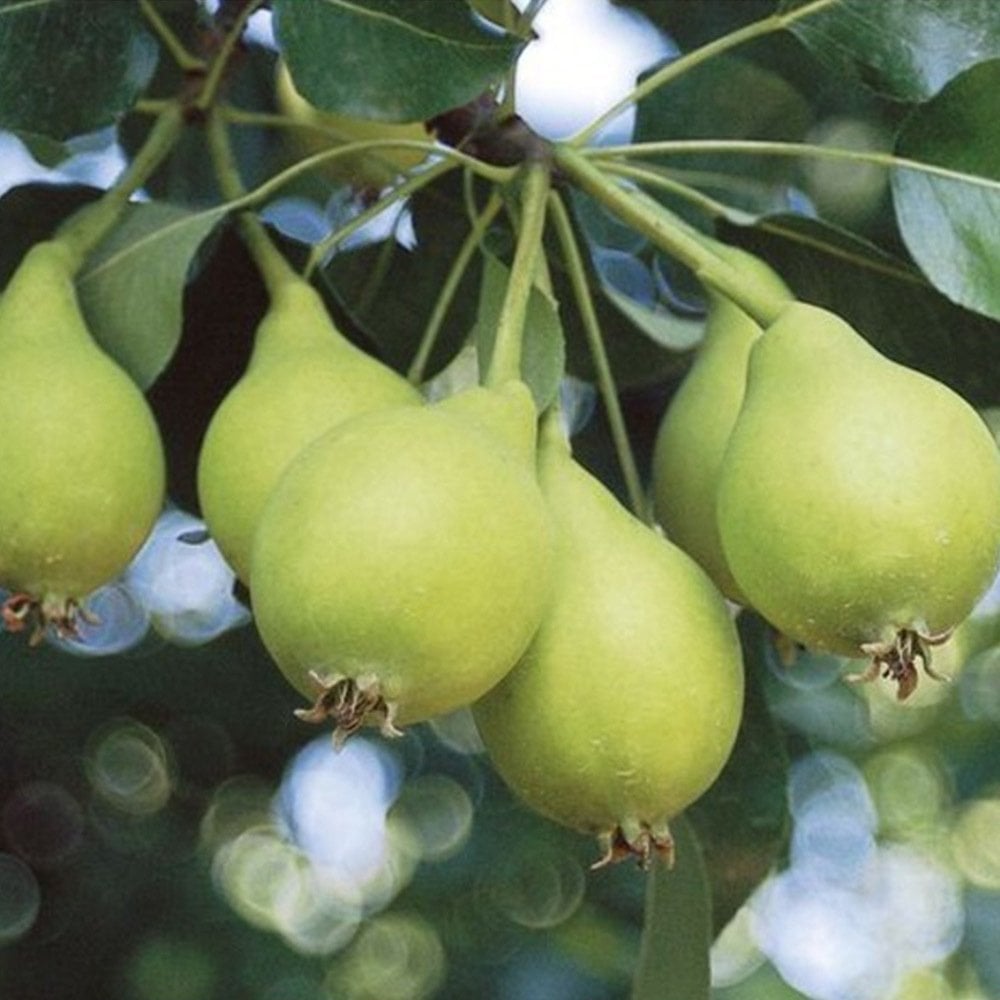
695,429
859,500
304,377
402,563
626,705
81,463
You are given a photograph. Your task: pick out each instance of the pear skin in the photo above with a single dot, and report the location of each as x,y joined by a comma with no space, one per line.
402,563
626,704
859,500
82,463
696,426
304,377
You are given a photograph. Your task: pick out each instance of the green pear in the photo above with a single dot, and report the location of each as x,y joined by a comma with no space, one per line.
695,429
402,563
81,462
626,705
859,500
304,377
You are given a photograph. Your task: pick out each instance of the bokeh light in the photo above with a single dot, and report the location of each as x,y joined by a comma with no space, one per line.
976,844
540,888
397,956
910,791
181,579
43,823
435,814
129,767
20,898
165,968
114,621
849,918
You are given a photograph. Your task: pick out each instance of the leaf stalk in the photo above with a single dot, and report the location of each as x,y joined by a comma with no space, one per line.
505,362
602,366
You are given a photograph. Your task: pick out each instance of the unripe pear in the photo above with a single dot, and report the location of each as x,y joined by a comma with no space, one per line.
304,377
695,429
626,704
81,463
402,563
323,130
859,500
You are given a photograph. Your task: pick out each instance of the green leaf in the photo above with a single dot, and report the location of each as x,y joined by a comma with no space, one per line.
67,68
742,820
904,49
738,100
950,220
543,353
677,931
887,301
390,60
131,288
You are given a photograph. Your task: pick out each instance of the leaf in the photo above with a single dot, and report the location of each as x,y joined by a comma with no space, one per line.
673,954
949,222
742,820
131,288
543,353
732,98
390,60
884,298
904,49
67,68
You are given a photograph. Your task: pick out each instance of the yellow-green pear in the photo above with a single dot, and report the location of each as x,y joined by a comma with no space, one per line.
81,462
696,425
304,377
859,500
626,705
402,563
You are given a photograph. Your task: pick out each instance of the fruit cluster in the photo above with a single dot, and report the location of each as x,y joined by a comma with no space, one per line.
853,502
407,558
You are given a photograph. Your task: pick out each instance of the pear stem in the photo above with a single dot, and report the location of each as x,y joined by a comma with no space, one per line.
87,227
658,179
605,377
186,62
505,363
458,268
273,267
324,247
270,119
684,64
669,233
220,63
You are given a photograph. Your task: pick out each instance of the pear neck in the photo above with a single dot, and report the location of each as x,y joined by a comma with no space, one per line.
296,320
40,304
506,414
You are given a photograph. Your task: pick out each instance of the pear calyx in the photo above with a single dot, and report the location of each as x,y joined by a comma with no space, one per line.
897,660
643,843
351,702
22,612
